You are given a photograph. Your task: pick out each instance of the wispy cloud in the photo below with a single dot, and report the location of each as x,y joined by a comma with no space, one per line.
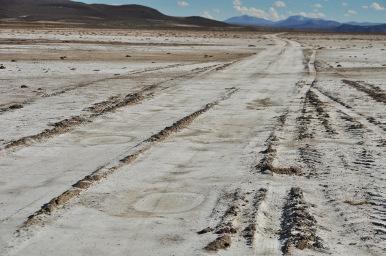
350,13
182,4
207,14
279,4
315,15
377,6
270,14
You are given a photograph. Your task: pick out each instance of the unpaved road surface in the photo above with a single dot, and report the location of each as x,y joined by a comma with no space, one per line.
191,143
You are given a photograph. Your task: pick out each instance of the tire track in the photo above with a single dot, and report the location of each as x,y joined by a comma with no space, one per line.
306,128
125,76
11,107
227,224
366,162
249,232
377,200
242,218
357,162
347,170
266,240
103,172
266,164
319,106
339,104
375,92
303,121
352,126
101,108
238,220
298,228
311,106
370,90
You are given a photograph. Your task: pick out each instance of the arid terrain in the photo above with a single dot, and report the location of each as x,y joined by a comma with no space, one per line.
145,142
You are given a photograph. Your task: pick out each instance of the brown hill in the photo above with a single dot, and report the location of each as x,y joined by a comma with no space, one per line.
94,14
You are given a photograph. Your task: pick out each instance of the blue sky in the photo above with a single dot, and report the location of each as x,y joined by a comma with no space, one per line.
340,10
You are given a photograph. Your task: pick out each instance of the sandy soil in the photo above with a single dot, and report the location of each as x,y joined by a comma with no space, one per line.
119,142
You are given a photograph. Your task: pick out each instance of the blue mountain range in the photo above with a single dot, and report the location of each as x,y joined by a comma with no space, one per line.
299,22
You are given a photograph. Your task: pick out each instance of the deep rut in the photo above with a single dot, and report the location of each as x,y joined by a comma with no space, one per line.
298,228
266,164
238,220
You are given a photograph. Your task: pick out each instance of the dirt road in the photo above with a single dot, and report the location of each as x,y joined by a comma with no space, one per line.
246,156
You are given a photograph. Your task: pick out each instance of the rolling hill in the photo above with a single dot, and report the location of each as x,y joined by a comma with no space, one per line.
95,14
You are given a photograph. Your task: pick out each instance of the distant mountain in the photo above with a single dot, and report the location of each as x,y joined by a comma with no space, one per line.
304,23
301,22
354,23
361,29
293,22
95,14
246,20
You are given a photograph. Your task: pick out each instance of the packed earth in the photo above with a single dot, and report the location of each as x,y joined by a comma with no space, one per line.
172,142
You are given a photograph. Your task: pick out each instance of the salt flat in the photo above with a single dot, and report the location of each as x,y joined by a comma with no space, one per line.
136,142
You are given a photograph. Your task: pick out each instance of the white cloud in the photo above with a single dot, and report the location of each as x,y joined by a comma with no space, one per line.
365,6
274,14
279,4
344,4
351,12
182,4
316,15
377,6
271,14
207,15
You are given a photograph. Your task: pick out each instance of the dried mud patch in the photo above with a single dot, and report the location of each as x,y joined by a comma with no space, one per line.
168,203
259,104
219,243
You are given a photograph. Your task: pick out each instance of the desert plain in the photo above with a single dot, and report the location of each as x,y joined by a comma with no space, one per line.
184,142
